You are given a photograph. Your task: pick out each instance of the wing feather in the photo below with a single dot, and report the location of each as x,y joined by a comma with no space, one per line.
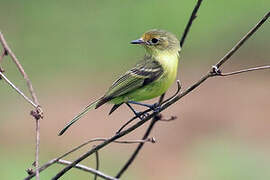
143,73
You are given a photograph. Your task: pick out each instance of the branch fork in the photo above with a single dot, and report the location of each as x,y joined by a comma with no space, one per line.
38,113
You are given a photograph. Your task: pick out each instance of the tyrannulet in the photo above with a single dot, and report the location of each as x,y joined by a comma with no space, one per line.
149,78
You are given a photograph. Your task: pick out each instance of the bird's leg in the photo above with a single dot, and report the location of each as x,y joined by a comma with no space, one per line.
155,107
137,114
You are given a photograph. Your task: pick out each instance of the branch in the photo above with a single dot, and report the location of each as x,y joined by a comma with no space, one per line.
139,147
211,73
87,169
243,40
53,161
244,70
97,164
38,113
18,90
1,58
190,21
19,66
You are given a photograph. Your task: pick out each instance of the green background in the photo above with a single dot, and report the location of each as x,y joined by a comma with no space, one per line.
73,50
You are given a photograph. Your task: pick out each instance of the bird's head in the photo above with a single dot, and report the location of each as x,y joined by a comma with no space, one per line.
158,41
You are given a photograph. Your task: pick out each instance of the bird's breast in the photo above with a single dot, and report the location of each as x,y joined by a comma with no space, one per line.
169,63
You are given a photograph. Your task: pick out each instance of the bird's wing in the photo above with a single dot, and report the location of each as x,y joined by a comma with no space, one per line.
142,74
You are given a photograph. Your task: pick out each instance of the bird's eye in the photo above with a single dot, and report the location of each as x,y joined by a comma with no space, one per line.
154,40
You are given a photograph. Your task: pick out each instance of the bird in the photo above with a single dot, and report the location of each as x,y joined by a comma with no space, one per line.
149,78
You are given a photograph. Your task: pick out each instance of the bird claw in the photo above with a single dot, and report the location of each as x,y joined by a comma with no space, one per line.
156,108
143,115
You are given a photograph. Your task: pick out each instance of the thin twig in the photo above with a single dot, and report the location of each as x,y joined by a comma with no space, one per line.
97,164
18,90
53,161
176,93
19,66
87,169
190,21
37,148
103,144
36,114
242,41
245,70
139,147
131,120
1,59
211,73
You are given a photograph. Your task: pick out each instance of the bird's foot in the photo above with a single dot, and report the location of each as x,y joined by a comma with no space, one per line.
155,107
142,115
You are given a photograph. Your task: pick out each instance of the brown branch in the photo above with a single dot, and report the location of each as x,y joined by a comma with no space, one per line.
18,90
243,40
211,73
140,146
87,169
1,59
244,70
97,164
190,21
53,161
38,113
19,66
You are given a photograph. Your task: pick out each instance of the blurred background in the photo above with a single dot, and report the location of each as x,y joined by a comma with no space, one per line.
73,51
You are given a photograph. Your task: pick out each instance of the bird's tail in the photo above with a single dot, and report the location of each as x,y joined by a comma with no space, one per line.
76,118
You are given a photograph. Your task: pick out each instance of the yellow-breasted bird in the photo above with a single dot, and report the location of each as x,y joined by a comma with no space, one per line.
149,78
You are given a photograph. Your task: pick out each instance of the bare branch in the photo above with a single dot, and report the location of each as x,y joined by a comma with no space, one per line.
97,164
139,147
131,120
38,113
18,90
244,70
1,58
190,21
243,40
19,66
103,144
215,69
87,169
53,161
175,94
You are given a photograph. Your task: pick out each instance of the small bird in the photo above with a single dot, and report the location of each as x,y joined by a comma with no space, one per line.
149,78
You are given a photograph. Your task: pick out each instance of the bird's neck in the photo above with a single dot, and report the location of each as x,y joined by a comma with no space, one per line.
154,52
165,56
168,59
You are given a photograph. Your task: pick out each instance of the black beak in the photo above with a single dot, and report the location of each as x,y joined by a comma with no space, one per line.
138,41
